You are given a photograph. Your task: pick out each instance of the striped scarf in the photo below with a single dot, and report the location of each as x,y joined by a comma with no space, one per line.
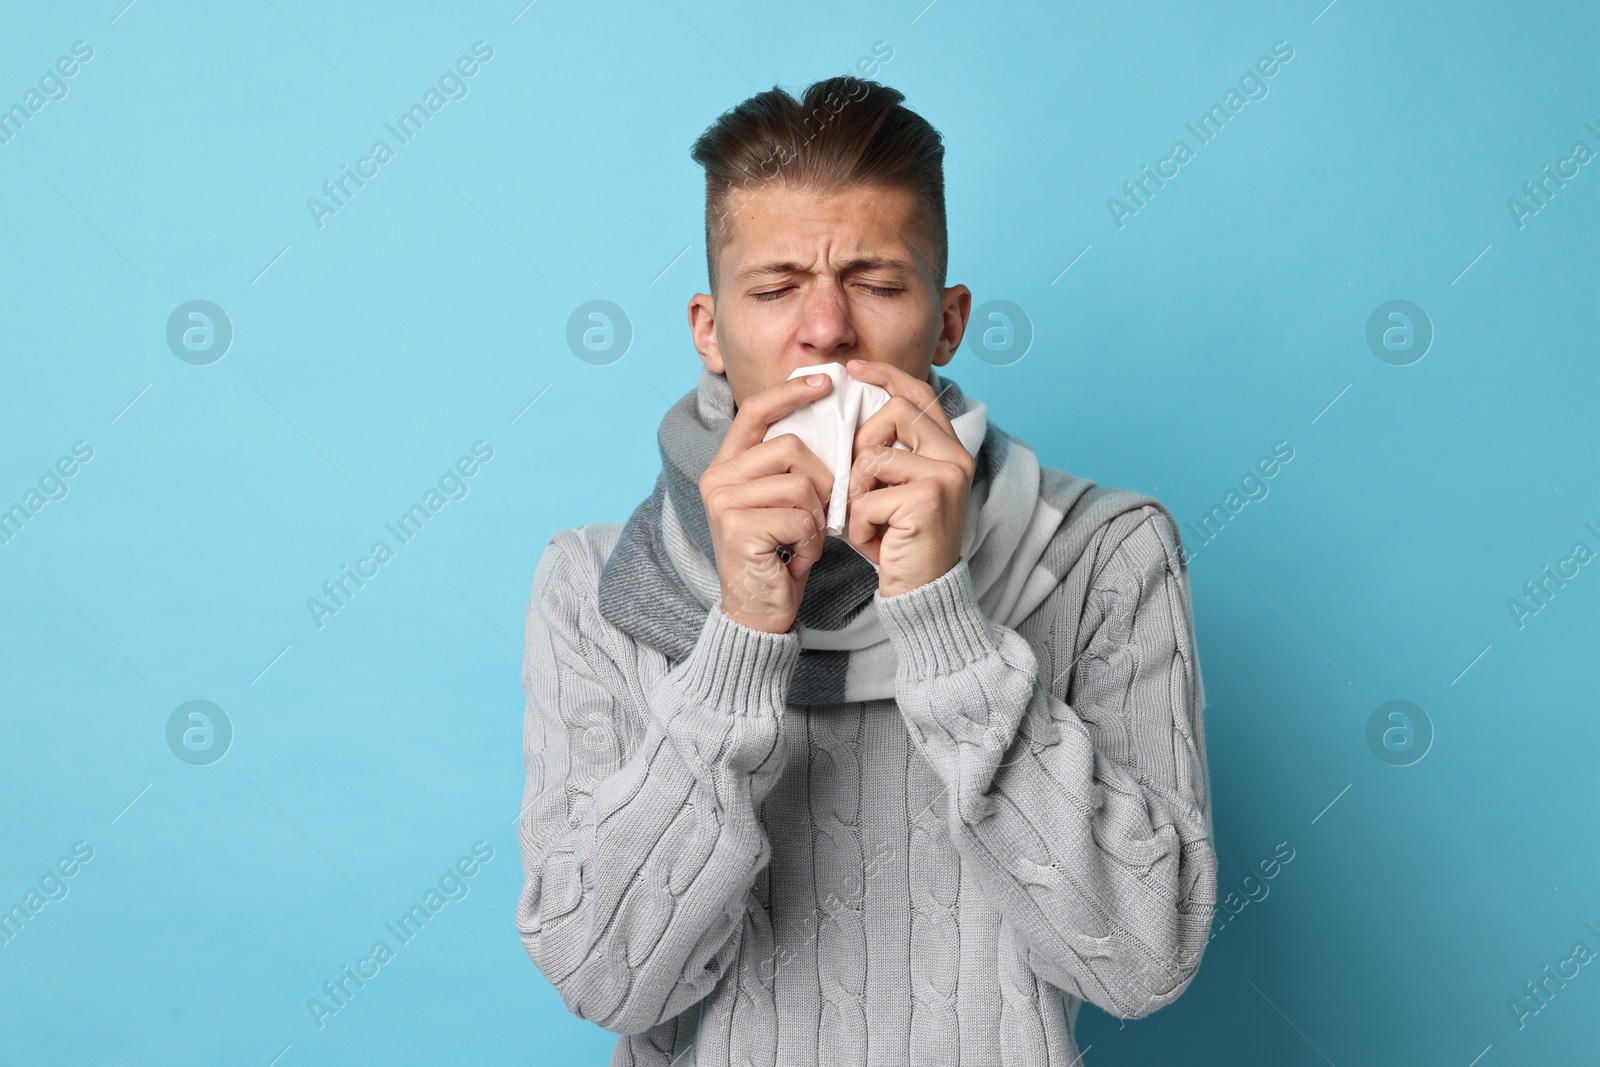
1026,526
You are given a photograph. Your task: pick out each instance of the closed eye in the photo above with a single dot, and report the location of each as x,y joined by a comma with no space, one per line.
875,290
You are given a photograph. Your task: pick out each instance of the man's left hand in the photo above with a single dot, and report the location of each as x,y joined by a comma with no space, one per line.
907,506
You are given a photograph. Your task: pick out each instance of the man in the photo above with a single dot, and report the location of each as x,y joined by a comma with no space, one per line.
905,797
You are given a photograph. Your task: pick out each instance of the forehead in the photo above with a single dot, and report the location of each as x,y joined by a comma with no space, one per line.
791,223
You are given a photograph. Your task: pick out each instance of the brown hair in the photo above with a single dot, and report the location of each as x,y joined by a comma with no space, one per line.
844,131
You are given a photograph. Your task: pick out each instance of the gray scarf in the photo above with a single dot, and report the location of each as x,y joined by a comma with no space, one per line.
1026,527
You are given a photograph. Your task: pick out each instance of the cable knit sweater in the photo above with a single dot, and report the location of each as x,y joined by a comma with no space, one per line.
723,878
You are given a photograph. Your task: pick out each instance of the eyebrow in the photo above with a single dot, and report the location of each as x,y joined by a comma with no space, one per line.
850,266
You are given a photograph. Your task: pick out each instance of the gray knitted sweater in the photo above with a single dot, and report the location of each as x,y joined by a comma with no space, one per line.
723,878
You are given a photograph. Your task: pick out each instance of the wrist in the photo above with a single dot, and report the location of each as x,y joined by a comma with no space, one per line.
908,579
739,668
938,627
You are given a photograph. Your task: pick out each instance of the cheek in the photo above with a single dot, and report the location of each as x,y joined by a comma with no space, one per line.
747,335
933,326
752,352
903,325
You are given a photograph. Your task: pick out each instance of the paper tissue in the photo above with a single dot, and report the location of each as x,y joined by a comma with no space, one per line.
828,427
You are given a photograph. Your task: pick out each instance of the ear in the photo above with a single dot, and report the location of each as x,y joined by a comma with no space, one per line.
702,325
955,310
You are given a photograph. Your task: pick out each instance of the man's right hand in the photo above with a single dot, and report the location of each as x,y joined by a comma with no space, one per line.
762,494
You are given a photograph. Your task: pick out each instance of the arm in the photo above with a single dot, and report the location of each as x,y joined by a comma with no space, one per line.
639,833
1089,822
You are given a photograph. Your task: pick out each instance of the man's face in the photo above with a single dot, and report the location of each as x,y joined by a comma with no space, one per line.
811,278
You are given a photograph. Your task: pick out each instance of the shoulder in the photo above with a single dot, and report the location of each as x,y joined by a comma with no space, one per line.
566,578
581,550
1137,594
1118,530
1127,550
564,629
1140,541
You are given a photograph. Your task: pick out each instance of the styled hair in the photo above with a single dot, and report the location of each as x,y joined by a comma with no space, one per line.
844,131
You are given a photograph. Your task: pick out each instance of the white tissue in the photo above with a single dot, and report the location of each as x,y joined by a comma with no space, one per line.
828,427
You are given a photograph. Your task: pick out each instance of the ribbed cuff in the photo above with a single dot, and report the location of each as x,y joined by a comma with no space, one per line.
938,627
738,669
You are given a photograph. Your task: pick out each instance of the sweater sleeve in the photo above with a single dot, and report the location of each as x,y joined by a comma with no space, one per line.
639,831
1079,788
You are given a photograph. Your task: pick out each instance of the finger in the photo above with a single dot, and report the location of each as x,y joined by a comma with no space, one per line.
883,464
763,408
785,490
786,453
878,508
756,533
799,547
899,420
897,382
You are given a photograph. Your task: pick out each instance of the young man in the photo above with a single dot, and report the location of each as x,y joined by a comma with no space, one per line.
906,797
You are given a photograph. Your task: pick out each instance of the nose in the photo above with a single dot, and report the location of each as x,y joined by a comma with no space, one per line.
825,326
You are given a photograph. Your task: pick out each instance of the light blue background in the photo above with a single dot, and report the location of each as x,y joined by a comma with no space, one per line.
1227,315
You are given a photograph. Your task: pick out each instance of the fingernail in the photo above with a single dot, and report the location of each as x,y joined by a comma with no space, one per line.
816,379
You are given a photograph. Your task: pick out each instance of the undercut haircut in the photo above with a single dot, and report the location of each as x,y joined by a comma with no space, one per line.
844,131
